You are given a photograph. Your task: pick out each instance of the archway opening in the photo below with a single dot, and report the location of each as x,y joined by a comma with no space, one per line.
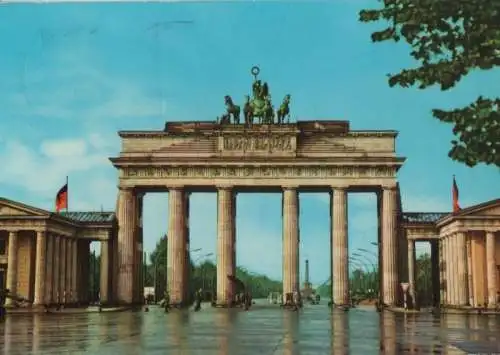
364,251
259,257
315,246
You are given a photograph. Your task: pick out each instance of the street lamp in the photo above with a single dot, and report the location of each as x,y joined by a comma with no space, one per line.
360,266
369,252
374,265
202,256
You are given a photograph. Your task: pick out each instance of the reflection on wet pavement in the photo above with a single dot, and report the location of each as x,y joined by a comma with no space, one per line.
263,330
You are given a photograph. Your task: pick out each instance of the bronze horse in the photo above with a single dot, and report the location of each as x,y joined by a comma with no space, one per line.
232,110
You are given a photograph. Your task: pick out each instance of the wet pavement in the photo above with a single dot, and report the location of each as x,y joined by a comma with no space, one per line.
266,329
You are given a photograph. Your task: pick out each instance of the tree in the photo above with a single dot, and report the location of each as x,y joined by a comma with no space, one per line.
94,276
424,279
156,274
450,39
202,276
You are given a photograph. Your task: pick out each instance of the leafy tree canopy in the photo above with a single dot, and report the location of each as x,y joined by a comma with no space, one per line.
449,39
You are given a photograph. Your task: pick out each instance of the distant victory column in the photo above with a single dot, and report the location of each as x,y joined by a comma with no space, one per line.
307,291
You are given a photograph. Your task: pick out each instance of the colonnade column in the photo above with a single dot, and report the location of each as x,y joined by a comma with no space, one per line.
389,246
177,259
340,252
454,275
290,212
56,272
12,265
104,272
446,267
411,271
74,270
442,276
470,287
491,269
40,259
226,245
62,270
462,278
49,268
126,244
449,270
69,273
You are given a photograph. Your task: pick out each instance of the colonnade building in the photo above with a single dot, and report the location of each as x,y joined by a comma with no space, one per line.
465,253
45,255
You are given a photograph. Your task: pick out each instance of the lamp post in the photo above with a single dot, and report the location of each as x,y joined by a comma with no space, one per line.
376,273
360,267
202,269
373,272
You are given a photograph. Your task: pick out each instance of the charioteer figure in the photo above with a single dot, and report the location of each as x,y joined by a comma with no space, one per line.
259,107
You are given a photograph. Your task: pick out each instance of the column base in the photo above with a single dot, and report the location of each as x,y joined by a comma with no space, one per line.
344,307
224,305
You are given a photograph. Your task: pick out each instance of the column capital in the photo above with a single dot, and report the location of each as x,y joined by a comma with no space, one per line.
339,187
125,188
175,187
390,186
224,187
289,187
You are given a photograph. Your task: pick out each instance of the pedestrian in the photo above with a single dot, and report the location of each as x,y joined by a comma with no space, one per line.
3,296
198,297
166,301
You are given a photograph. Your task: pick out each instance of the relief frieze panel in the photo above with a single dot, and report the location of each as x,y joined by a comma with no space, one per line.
319,171
282,143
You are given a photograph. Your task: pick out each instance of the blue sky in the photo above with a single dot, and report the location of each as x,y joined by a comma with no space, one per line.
74,74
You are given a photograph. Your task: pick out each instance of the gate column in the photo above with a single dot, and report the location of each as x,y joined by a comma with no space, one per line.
177,253
291,239
226,245
340,249
126,244
389,246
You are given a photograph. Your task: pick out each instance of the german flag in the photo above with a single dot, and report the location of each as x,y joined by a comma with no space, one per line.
62,198
454,192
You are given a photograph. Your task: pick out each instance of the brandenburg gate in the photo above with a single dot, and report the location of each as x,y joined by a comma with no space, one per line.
228,158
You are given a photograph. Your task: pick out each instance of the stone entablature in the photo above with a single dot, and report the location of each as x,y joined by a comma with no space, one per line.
304,139
305,154
16,216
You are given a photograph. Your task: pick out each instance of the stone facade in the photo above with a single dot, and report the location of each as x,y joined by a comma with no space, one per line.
229,159
45,256
41,262
466,249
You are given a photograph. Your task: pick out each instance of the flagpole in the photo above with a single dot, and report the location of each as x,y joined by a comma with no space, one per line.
67,194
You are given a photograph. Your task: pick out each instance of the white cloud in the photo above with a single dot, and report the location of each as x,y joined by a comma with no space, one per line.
83,91
56,149
42,171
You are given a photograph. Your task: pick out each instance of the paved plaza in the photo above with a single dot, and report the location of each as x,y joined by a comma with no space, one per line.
264,330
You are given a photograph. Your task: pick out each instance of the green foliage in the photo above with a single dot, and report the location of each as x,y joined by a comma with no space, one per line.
424,279
203,275
94,276
449,39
